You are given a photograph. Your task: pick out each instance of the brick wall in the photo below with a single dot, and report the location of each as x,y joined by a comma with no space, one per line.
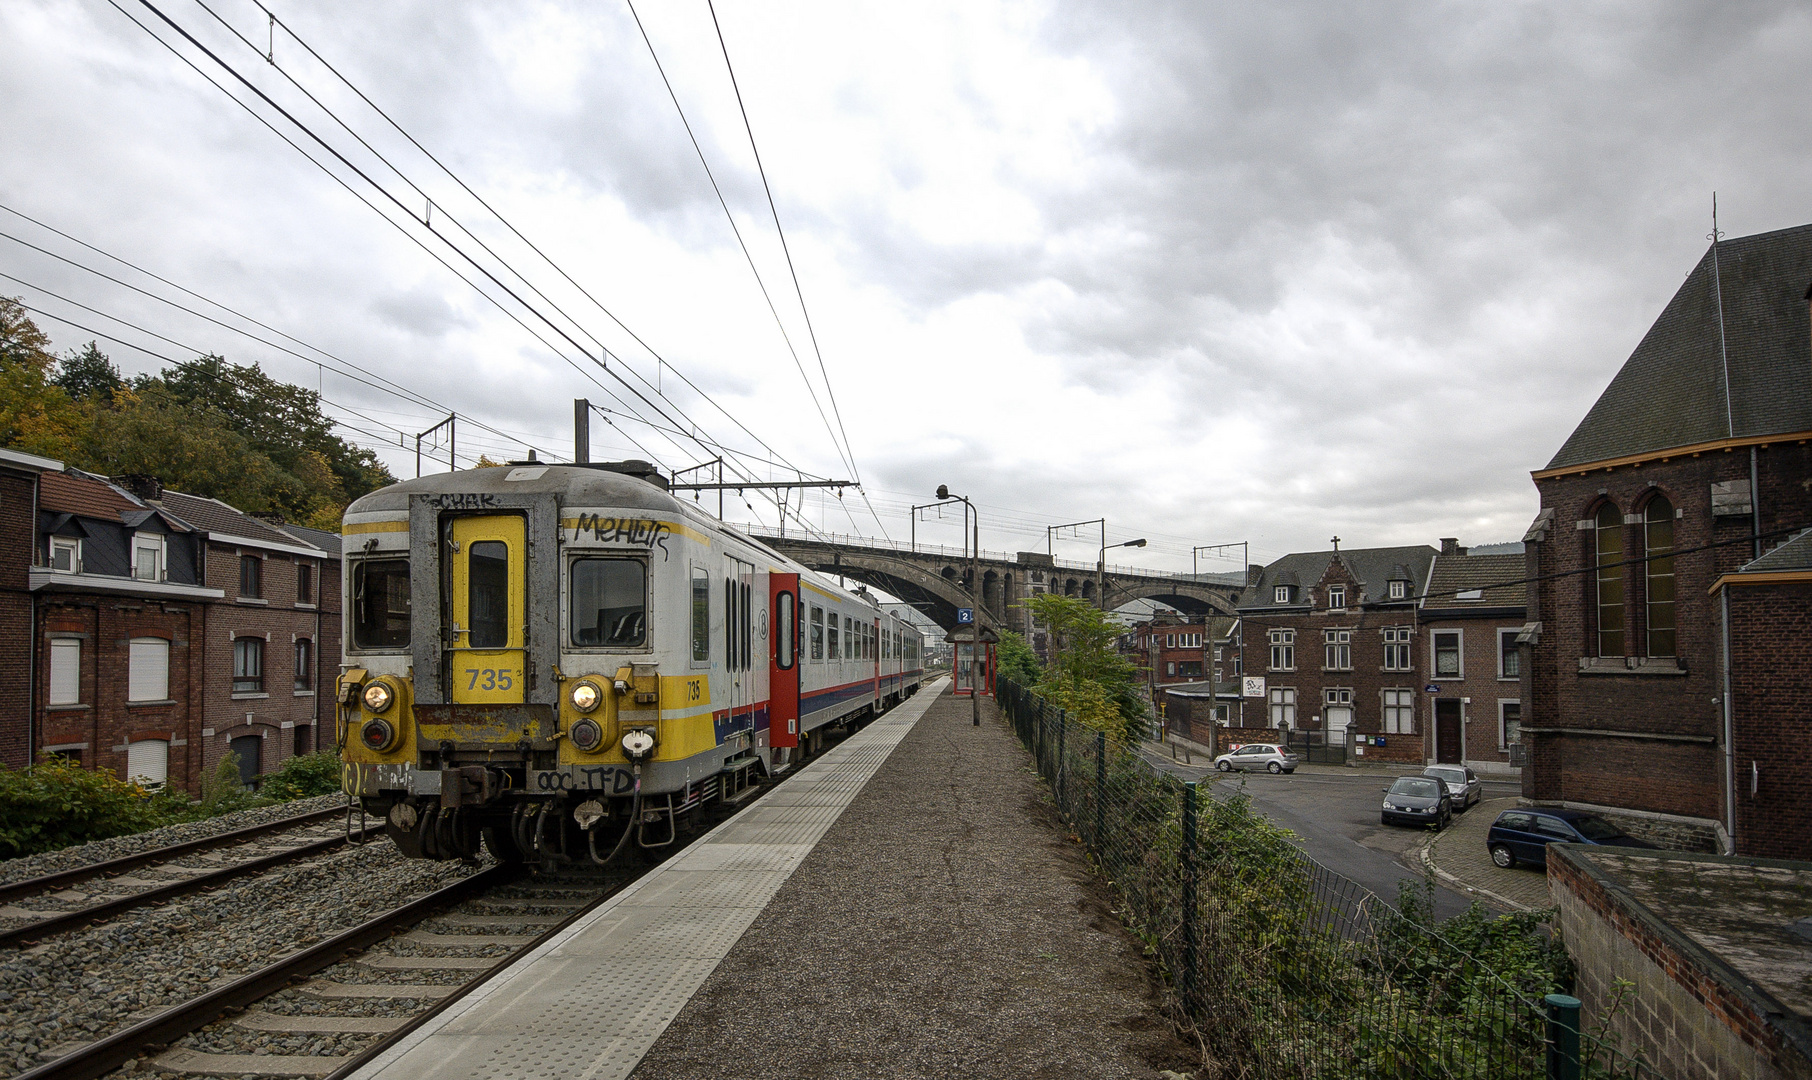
99,728
1770,686
273,713
1480,690
16,532
1678,700
1686,1014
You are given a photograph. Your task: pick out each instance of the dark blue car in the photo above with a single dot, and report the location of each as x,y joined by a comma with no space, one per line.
1523,836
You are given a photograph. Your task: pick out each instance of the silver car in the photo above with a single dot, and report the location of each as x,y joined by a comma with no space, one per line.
1254,756
1463,785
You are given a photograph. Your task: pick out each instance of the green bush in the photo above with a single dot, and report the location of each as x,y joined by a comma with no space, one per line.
304,777
57,803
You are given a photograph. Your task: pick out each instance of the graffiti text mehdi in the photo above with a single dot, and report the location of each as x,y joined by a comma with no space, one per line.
636,532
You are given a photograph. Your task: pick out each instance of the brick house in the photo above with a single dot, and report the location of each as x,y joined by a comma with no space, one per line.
19,475
319,735
1469,622
120,609
264,636
1691,464
1332,634
1169,648
1765,619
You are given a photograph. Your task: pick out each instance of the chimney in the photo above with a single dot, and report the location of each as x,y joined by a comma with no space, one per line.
1254,574
141,485
1450,545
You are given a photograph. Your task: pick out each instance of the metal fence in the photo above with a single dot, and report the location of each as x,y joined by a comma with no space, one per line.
1280,967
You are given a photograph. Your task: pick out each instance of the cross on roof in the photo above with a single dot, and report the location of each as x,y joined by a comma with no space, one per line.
1336,543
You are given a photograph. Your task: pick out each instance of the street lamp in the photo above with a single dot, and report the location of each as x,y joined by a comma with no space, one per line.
1101,569
943,492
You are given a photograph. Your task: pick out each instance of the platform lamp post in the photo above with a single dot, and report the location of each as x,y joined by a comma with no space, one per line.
1101,569
943,492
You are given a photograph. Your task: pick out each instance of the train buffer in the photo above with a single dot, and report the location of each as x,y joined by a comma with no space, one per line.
906,906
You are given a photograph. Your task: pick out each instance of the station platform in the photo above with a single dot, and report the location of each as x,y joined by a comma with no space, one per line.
907,905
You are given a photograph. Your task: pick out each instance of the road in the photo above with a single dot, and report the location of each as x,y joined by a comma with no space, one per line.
1334,814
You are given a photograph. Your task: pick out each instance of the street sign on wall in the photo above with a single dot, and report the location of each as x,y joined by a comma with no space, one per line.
1253,686
965,616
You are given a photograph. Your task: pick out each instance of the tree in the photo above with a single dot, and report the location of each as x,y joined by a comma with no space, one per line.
35,415
88,375
1086,676
1016,660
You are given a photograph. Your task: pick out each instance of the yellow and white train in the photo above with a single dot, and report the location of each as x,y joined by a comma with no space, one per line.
562,659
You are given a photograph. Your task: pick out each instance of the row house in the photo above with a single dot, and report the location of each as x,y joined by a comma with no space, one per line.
1328,647
163,630
1656,513
1469,622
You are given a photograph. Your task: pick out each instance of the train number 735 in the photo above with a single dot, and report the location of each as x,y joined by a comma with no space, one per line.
489,679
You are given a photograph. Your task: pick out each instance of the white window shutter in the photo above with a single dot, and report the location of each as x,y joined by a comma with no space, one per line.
148,677
65,671
148,762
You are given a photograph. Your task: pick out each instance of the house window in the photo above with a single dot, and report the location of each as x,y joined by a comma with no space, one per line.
1399,712
1658,540
148,670
1399,590
1337,597
248,665
66,555
1337,696
1509,660
1339,650
148,762
1283,706
1608,545
1396,648
1283,650
148,557
1281,594
1190,669
817,632
305,582
1170,641
251,576
1509,724
1447,655
65,672
305,665
1170,669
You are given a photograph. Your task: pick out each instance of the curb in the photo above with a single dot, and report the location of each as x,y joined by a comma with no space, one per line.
1425,855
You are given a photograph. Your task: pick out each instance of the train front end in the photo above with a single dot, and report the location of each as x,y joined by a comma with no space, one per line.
501,684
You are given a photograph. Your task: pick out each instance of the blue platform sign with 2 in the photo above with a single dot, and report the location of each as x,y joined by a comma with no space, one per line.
965,616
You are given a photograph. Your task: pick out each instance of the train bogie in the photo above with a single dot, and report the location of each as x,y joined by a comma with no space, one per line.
562,661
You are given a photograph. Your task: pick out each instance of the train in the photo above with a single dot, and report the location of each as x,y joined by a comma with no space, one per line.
561,662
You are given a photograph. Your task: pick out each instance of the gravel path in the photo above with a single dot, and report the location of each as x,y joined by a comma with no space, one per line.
84,985
945,927
69,858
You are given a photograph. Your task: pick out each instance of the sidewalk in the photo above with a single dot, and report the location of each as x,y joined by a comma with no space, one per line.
1202,756
945,926
1458,857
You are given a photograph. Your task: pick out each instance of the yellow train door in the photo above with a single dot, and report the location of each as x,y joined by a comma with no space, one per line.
489,589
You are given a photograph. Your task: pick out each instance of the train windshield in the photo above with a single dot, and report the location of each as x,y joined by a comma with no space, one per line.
609,599
380,604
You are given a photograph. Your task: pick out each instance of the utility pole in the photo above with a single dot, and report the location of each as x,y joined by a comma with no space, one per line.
581,431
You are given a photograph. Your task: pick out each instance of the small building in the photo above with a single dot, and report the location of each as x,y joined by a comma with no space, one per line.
1765,622
1470,619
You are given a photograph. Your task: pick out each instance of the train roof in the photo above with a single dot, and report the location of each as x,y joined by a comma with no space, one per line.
577,485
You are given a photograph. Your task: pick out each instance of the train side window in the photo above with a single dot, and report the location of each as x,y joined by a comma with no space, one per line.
380,604
701,614
730,653
849,638
747,625
817,632
832,648
783,631
488,594
609,599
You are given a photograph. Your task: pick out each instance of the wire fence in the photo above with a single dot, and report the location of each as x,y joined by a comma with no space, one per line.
1281,968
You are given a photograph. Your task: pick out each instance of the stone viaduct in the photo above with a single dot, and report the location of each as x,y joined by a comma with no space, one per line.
936,580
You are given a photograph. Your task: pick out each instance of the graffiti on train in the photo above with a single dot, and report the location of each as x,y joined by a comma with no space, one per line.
610,781
634,532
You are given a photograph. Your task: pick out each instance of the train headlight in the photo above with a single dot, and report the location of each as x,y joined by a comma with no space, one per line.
377,735
378,697
638,744
586,735
585,697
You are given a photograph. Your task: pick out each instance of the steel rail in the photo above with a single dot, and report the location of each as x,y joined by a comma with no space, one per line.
31,933
104,1055
64,878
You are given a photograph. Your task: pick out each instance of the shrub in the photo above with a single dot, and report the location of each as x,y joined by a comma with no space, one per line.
57,803
222,793
303,777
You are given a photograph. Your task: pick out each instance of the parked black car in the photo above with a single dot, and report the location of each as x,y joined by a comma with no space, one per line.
1524,835
1417,800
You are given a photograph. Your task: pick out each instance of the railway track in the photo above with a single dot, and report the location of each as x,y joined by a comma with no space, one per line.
71,899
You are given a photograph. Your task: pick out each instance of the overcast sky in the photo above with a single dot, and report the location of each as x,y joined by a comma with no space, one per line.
1216,272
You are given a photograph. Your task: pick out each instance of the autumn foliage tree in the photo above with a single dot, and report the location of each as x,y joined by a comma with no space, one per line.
209,427
1085,675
